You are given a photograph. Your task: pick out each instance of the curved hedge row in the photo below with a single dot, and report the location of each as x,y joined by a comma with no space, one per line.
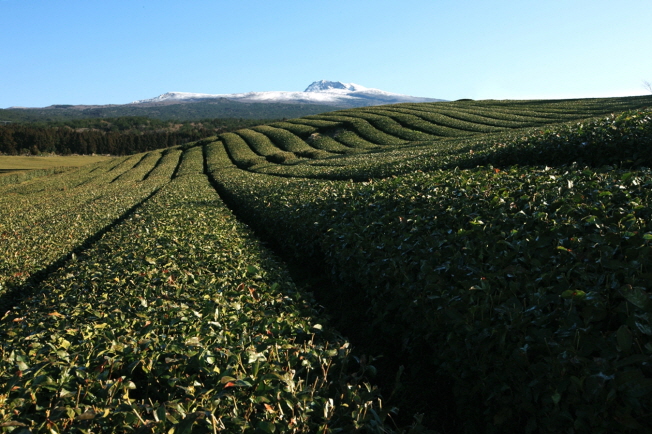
614,139
262,145
241,154
412,131
362,128
301,130
467,118
216,157
288,141
387,124
438,123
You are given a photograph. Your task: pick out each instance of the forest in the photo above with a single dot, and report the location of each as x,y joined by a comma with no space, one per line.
115,136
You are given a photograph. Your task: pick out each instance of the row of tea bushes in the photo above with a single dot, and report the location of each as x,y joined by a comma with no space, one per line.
289,142
115,172
527,288
390,126
467,120
435,123
436,135
240,152
558,110
335,131
619,139
192,162
142,169
216,157
301,130
360,127
614,139
38,229
262,145
313,138
178,319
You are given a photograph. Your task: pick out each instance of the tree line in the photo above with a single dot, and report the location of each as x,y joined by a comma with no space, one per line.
114,136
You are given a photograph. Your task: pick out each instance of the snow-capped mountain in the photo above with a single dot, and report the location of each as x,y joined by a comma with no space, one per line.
320,92
328,86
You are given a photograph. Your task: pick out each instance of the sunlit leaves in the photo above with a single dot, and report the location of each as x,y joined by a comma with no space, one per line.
175,318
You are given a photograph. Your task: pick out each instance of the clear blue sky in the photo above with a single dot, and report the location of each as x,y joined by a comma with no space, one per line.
118,51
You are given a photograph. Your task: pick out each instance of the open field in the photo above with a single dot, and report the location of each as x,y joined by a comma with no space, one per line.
493,258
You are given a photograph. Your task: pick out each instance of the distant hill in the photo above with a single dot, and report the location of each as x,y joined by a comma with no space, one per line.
182,111
319,97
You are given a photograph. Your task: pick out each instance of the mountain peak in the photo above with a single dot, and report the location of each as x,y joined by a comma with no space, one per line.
326,85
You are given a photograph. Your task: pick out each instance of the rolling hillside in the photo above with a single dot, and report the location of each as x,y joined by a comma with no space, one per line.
492,259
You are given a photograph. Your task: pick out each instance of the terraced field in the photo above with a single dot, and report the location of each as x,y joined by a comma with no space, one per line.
404,134
497,253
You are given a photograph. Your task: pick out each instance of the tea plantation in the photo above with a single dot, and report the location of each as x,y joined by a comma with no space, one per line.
491,261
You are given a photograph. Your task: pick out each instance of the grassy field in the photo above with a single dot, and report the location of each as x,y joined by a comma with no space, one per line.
490,260
9,164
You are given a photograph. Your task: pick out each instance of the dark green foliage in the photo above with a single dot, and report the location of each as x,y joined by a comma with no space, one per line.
527,288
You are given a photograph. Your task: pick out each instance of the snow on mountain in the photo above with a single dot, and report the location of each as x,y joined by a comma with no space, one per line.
329,86
177,96
320,92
